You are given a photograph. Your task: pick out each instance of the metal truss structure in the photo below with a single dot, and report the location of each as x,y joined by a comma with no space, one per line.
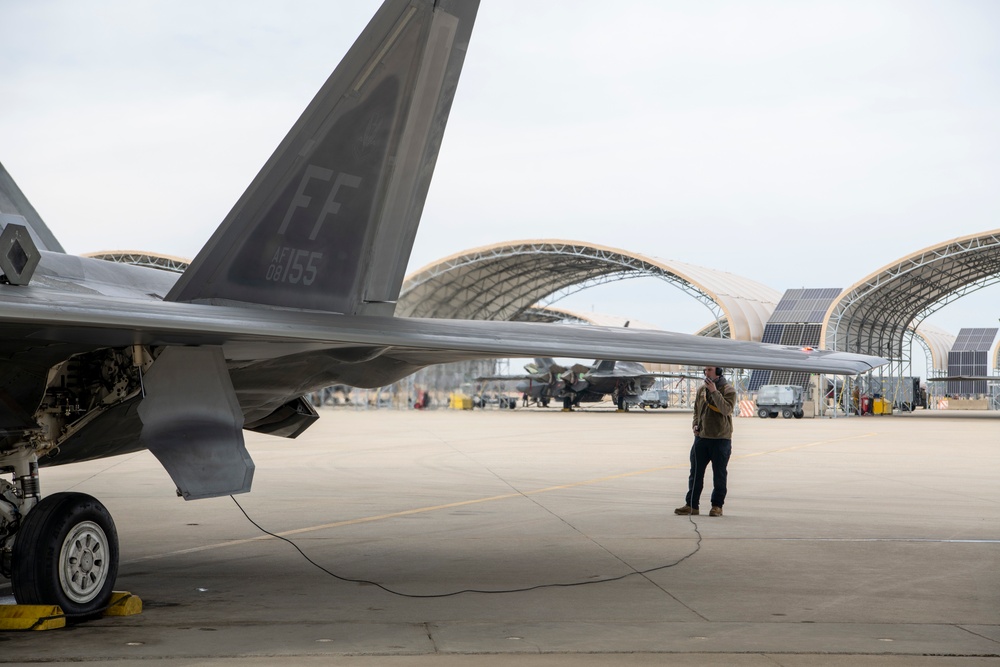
509,281
879,314
522,280
141,258
936,343
872,317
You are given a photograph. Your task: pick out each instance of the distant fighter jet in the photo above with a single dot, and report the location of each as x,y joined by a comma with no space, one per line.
624,381
540,382
294,292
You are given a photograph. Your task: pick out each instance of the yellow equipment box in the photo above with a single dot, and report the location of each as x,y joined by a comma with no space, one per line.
460,402
882,407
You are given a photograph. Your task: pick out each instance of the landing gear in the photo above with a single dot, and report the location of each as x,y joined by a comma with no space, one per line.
66,553
63,550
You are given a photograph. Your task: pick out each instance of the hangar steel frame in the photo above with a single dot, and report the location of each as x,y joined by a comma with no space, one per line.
505,281
878,314
142,258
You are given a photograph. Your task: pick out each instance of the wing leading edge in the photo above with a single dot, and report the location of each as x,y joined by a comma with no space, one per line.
253,333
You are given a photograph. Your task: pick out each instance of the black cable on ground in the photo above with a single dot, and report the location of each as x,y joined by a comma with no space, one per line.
474,590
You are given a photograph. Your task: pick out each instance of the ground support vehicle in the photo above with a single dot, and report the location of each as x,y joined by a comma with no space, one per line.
783,399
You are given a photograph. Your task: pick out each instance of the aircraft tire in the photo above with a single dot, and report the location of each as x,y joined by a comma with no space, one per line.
798,414
66,553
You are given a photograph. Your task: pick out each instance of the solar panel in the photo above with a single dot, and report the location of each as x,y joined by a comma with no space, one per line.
758,379
975,340
798,321
804,305
772,333
969,356
792,334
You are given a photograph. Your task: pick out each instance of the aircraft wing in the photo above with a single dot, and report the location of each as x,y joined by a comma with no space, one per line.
256,333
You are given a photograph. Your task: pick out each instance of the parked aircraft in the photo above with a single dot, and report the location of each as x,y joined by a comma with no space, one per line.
540,382
545,380
295,291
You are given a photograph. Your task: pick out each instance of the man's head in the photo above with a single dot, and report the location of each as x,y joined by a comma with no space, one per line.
713,372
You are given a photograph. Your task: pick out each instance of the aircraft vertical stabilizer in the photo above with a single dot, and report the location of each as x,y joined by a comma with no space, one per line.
16,209
328,223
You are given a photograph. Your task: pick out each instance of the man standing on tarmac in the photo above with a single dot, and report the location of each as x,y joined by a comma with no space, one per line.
713,441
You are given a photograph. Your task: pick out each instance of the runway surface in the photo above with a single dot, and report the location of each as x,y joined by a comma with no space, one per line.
851,541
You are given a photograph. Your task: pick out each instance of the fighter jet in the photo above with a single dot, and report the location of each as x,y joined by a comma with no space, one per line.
294,291
540,382
545,380
624,381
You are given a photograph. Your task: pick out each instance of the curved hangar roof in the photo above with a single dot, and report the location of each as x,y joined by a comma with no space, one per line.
504,281
142,258
938,344
874,316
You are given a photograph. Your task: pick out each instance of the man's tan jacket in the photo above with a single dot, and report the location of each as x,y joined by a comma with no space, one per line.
713,412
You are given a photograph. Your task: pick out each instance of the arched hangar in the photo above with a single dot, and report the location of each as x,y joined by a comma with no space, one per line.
878,314
506,281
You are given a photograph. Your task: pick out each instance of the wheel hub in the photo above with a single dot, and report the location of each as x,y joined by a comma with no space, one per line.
83,565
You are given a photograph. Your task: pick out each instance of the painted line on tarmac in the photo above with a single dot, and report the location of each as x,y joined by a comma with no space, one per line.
462,503
807,444
881,539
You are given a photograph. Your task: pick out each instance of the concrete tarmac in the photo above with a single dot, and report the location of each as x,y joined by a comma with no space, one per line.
850,541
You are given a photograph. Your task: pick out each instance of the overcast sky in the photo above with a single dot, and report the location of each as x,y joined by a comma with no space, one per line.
800,144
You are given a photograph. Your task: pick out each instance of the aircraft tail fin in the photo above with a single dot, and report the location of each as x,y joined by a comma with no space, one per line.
328,223
16,209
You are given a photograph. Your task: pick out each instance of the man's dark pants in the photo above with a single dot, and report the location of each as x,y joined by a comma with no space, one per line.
703,451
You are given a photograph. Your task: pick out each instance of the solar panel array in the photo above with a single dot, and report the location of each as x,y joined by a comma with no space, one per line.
975,340
797,321
970,356
803,306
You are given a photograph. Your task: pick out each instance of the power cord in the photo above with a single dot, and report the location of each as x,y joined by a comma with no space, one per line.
474,590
